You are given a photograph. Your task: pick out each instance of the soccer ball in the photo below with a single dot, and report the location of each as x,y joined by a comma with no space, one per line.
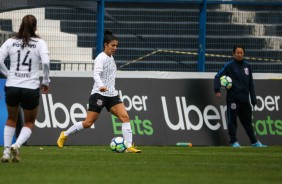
226,82
118,144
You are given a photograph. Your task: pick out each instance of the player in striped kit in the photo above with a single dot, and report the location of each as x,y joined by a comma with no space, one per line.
103,95
26,50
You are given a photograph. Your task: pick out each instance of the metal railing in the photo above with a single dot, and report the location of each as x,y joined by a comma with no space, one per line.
158,35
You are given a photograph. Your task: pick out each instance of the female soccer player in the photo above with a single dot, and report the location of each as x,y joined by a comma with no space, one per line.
103,95
26,50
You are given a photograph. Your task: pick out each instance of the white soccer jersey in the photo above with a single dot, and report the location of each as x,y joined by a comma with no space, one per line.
104,75
24,63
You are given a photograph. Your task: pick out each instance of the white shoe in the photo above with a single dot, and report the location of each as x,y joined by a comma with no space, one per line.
6,155
15,153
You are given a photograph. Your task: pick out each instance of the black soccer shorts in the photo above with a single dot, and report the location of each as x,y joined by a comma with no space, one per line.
28,99
97,102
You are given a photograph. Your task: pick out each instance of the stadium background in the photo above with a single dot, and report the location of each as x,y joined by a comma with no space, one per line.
187,40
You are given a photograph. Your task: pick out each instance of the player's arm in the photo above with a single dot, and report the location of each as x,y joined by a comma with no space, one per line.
3,69
98,69
217,81
221,72
252,89
46,69
3,55
44,55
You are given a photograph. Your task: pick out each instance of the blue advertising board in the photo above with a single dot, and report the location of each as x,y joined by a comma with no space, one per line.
3,110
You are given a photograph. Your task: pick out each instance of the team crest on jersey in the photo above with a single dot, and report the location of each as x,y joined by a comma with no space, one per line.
99,102
233,106
246,71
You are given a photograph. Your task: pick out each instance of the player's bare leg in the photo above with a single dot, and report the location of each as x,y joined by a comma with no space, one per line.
88,122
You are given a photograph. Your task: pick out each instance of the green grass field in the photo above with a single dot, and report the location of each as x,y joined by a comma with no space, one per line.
157,165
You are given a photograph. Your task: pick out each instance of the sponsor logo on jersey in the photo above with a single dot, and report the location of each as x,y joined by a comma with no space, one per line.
246,71
21,45
233,106
99,102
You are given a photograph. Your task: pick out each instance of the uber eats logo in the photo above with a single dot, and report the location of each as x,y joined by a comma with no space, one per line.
57,115
190,117
268,125
139,126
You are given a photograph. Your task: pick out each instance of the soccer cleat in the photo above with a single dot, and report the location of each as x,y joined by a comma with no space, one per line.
5,158
258,144
132,149
15,153
236,145
6,155
61,140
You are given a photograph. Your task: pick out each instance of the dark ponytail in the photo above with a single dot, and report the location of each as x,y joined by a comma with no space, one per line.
27,29
108,37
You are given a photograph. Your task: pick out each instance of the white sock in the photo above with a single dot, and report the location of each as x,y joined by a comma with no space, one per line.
23,137
74,129
127,133
9,133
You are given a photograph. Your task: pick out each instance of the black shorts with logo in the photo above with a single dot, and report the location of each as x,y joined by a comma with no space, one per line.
27,98
97,102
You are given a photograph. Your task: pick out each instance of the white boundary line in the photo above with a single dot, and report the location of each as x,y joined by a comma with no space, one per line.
160,75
